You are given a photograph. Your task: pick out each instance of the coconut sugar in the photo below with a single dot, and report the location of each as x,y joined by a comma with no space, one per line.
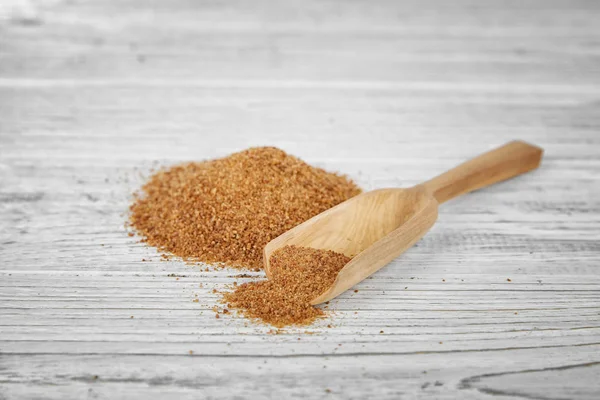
299,275
227,210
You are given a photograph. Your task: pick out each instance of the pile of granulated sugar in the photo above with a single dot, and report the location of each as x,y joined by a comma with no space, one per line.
227,210
299,275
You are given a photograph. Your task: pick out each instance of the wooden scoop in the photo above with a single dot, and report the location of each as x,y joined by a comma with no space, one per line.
375,227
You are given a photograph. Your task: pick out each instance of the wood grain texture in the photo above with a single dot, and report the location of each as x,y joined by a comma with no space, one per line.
95,94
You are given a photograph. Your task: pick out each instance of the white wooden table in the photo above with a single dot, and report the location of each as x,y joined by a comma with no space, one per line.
94,94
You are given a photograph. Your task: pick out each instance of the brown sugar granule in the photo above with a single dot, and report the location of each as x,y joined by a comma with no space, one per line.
227,210
299,274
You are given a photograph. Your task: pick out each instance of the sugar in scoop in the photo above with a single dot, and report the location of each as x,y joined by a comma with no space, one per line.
299,274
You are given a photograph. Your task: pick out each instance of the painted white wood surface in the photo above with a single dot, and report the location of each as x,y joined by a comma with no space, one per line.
94,94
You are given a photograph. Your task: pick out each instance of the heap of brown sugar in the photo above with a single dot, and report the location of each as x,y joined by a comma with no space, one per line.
298,275
227,210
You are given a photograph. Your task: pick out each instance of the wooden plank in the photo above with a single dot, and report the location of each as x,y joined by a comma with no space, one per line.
541,41
412,376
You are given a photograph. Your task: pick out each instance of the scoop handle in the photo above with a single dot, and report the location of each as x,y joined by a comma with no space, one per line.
512,159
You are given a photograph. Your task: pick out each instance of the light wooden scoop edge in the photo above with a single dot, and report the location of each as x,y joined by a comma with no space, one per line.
375,227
